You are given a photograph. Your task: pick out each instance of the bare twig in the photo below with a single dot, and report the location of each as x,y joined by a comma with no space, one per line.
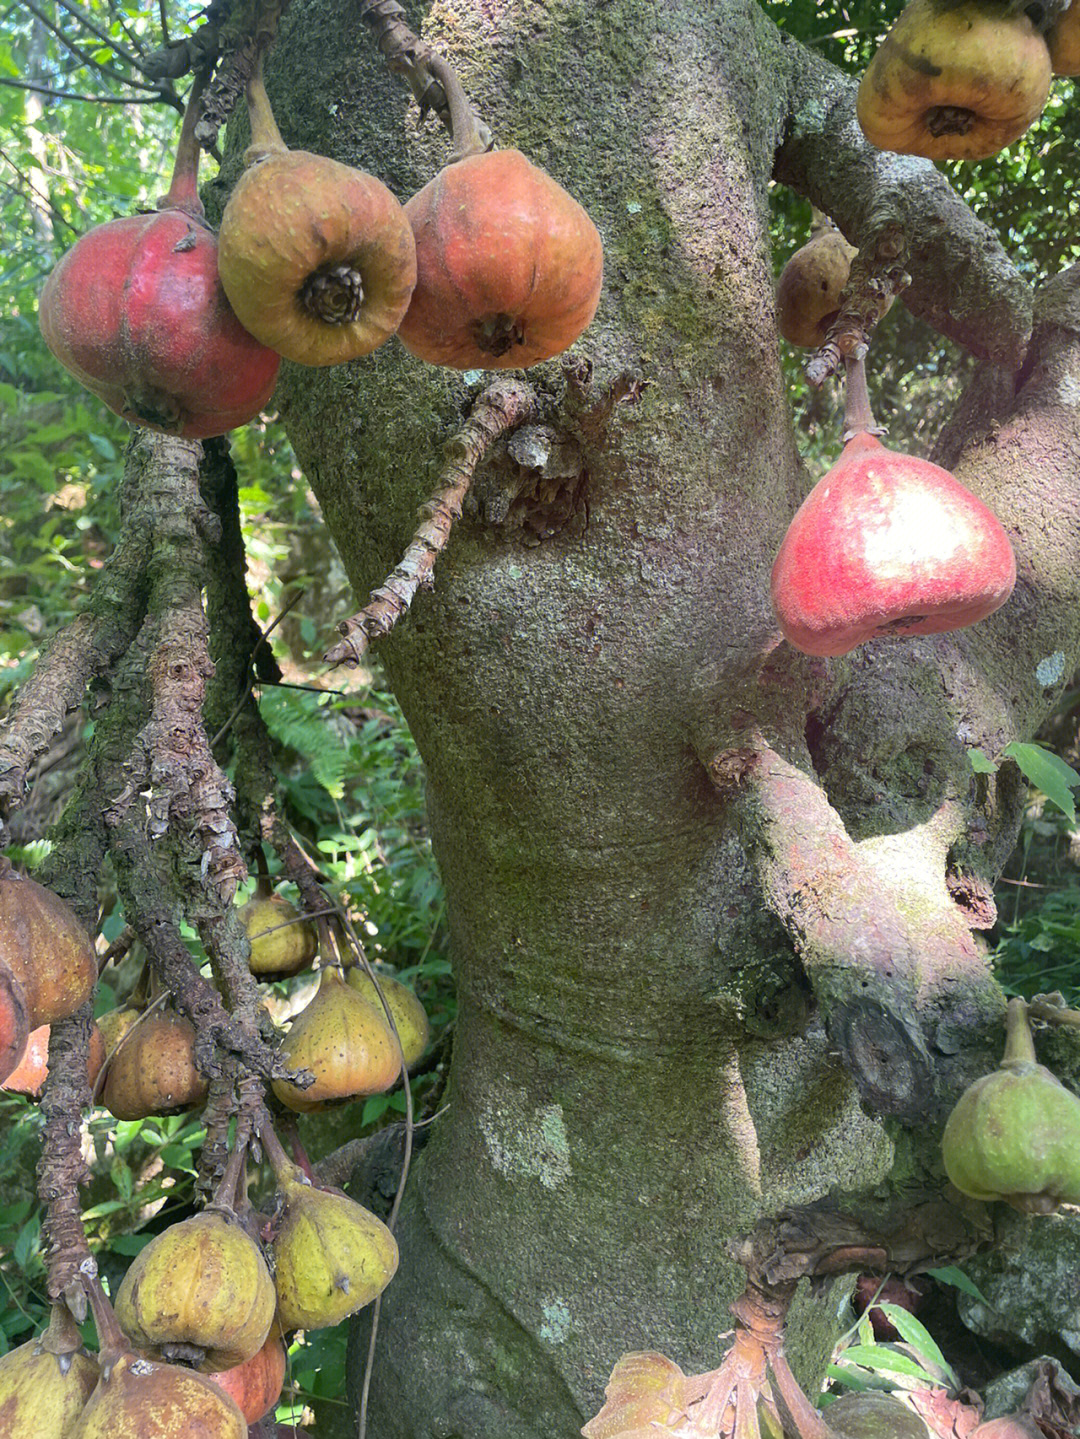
876,278
81,54
88,22
504,405
51,94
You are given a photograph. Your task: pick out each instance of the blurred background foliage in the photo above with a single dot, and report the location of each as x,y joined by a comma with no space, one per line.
71,158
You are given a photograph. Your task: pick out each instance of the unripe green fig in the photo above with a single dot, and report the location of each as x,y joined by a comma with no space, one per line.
1015,1134
200,1290
44,1384
281,942
331,1255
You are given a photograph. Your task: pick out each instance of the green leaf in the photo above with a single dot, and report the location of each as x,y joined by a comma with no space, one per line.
979,762
949,1274
1046,772
919,1338
880,1358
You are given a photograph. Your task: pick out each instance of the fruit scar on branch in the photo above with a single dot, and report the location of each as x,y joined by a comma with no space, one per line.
500,408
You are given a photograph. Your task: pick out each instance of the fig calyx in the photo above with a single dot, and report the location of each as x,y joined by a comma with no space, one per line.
1015,1134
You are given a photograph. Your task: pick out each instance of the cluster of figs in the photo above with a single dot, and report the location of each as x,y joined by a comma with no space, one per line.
195,1341
492,265
886,543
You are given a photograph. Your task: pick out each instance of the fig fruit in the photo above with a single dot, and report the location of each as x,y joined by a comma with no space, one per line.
44,1384
646,1392
138,1398
1015,1133
14,1022
254,1386
29,1076
509,267
410,1016
954,81
331,1256
886,544
200,1291
45,948
137,313
1064,42
809,288
153,1071
873,1416
344,1041
317,258
277,951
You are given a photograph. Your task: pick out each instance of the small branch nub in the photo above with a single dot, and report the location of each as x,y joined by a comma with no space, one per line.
334,294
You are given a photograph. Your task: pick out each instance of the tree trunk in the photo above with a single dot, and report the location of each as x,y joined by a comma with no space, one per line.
696,882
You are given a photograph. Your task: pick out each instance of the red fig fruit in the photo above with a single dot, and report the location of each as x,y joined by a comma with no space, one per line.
886,544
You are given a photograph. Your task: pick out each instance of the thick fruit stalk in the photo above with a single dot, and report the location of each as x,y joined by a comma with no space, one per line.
317,258
1015,1134
44,948
344,1041
331,1256
136,311
410,1016
44,1385
509,266
201,1290
886,544
954,81
138,1398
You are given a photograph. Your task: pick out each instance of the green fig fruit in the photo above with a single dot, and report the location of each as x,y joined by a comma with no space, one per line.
200,1290
344,1041
331,1255
45,1384
410,1016
1015,1134
281,942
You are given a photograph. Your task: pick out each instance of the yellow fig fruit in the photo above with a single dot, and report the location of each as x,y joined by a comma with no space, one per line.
154,1071
808,290
331,1255
201,1285
277,952
44,1385
114,1024
954,81
317,258
344,1041
646,1391
410,1016
138,1398
44,947
1015,1133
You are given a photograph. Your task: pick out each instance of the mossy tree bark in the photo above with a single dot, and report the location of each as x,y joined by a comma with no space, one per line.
711,902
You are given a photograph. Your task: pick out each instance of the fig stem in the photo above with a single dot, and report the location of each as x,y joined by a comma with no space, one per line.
225,1193
1019,1046
111,1339
283,1167
858,416
464,126
265,135
183,191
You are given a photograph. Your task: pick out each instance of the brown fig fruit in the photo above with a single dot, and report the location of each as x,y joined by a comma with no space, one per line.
281,942
809,288
153,1071
44,1385
871,1415
115,1023
255,1386
44,947
344,1041
14,1021
1008,1426
1015,1134
30,1074
138,1398
410,1016
331,1255
954,81
1064,42
317,259
200,1291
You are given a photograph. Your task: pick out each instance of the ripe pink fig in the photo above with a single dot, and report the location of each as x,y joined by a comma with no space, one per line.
886,544
136,311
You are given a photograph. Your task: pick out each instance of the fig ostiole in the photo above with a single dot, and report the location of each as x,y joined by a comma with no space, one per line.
1014,1135
886,544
